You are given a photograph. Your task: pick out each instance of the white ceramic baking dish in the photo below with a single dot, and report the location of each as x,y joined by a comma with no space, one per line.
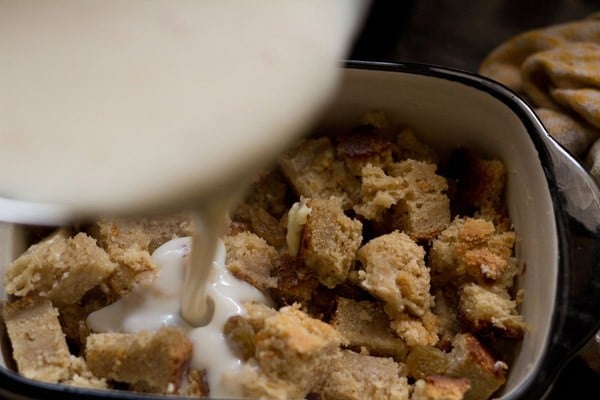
552,201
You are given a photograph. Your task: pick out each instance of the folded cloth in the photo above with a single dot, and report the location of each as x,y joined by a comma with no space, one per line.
557,70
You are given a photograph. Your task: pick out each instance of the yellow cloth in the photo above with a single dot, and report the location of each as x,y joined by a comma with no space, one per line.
557,70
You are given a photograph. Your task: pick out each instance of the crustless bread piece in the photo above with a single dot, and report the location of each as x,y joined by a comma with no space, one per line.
423,361
471,249
356,377
394,270
38,344
417,330
130,242
422,209
293,353
483,310
149,361
329,240
364,324
470,360
127,244
379,192
250,258
313,171
440,387
60,268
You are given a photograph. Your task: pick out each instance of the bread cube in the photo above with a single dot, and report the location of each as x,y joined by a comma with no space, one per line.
364,324
329,240
471,360
39,347
483,310
440,387
356,377
250,258
149,361
60,268
393,270
313,172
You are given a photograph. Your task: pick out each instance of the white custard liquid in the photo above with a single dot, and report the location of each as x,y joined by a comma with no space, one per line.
156,304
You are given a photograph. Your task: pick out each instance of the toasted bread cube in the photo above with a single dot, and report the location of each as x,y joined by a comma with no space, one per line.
313,171
153,362
250,258
146,233
482,310
38,343
469,359
471,249
329,240
359,149
60,268
422,207
417,330
365,324
440,387
127,243
294,346
394,271
379,192
257,314
424,360
293,353
356,377
424,210
161,229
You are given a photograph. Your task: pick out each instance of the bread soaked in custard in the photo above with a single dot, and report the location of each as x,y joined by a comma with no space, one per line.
390,268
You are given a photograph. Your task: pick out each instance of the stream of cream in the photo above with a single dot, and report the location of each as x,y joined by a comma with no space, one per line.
158,303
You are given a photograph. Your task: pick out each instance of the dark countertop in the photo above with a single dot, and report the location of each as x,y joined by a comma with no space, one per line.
459,34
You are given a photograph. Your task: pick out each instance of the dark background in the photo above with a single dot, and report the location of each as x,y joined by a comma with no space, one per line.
459,34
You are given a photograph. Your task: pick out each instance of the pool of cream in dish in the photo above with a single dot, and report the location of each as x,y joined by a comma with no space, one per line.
158,303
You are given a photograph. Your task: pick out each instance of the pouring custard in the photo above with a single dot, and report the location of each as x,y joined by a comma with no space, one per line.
119,107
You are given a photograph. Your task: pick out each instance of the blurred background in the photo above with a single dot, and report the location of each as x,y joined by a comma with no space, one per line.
459,34
455,33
